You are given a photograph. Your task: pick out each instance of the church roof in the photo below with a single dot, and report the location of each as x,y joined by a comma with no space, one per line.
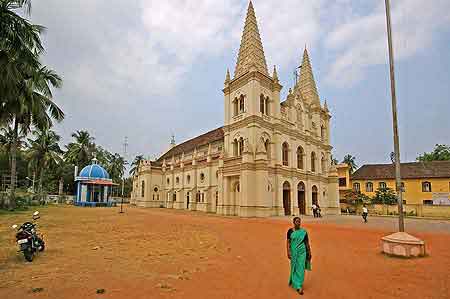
413,170
307,84
191,144
251,52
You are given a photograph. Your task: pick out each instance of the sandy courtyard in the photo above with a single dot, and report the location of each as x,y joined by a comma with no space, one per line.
155,253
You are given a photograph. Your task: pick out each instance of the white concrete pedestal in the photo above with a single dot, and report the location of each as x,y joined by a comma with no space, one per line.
403,245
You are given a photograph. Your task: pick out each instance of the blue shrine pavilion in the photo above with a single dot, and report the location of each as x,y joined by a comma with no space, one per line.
93,186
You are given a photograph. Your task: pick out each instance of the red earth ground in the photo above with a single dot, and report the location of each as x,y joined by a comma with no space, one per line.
156,253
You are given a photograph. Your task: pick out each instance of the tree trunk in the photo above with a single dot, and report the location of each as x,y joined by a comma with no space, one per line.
41,174
13,153
61,186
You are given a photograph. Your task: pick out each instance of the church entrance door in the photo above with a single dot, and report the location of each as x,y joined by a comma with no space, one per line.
287,199
301,198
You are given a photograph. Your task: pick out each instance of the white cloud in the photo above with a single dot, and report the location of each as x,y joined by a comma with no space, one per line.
362,41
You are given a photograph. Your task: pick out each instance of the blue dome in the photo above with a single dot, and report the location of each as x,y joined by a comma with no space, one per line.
94,171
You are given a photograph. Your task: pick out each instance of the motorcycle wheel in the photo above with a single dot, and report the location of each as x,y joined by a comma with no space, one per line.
28,254
42,246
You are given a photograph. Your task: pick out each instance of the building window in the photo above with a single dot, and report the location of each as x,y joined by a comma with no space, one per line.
168,181
142,189
261,104
202,177
153,196
313,162
323,165
342,182
426,187
428,202
188,179
285,154
266,102
322,133
402,186
203,197
217,196
157,196
236,106
369,187
356,187
187,196
198,196
382,185
241,104
300,154
217,174
177,180
174,196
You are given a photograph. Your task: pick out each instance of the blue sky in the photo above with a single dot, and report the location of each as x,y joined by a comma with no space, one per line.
147,69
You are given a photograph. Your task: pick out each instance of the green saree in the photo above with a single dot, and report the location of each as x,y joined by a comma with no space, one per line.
299,261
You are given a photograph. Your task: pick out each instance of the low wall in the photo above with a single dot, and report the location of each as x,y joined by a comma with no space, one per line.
432,211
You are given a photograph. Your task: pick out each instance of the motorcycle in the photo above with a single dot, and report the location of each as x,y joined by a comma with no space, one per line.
28,240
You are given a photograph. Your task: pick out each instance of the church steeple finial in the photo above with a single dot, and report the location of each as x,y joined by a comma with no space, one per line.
227,77
275,74
306,82
251,52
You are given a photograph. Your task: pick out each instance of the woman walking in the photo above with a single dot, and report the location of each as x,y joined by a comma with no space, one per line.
299,252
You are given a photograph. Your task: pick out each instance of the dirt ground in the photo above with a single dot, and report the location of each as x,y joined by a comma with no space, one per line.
155,253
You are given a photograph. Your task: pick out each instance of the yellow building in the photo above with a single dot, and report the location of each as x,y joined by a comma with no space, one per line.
422,182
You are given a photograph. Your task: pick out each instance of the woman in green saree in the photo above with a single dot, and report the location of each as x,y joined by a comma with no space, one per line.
299,252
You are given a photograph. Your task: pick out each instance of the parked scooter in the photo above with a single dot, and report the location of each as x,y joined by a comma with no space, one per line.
28,240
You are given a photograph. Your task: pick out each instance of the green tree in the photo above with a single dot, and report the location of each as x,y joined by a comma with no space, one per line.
7,140
25,85
356,198
385,196
44,152
351,162
80,152
117,166
135,164
441,152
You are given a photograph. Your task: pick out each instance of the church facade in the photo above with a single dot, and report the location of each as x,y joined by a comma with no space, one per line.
270,157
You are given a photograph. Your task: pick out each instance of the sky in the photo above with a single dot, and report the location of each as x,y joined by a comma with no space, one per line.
147,69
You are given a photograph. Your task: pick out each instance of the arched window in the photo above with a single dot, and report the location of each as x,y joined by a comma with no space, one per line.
285,154
313,162
142,189
241,104
261,104
300,154
168,181
356,187
382,185
266,105
369,187
235,148
267,147
426,187
323,165
188,179
241,146
202,177
236,106
177,180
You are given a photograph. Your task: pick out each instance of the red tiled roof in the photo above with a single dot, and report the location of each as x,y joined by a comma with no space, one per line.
189,145
414,170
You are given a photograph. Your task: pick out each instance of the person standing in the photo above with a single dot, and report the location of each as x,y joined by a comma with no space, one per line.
365,213
299,253
314,209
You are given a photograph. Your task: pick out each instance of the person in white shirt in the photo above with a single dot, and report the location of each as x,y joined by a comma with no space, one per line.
365,213
314,208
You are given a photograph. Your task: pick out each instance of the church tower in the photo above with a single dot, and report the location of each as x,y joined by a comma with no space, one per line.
252,93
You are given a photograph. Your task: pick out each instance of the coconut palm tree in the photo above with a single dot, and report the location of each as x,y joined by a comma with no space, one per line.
117,167
26,98
135,165
81,151
7,140
44,152
350,161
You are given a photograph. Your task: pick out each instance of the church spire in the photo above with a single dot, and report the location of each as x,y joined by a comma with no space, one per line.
251,52
307,84
227,77
275,74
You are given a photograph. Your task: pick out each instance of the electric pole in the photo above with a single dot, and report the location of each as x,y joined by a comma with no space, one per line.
125,145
